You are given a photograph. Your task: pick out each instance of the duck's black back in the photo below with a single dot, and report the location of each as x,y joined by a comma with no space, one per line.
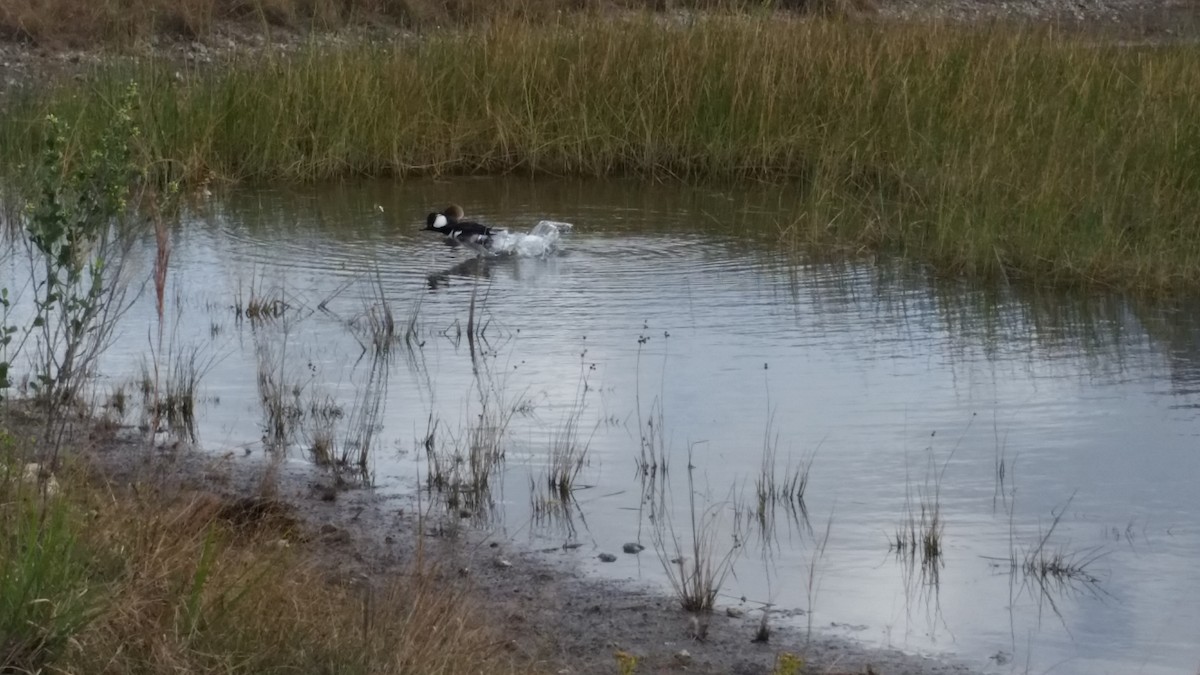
470,227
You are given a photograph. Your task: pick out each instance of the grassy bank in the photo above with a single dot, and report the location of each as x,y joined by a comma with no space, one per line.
136,579
991,152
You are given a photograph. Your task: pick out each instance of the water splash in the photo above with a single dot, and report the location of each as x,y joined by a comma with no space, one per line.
540,242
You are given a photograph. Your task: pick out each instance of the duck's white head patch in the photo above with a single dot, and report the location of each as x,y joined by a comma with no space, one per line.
440,221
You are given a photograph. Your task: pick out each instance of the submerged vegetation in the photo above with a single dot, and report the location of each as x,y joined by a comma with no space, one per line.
568,449
696,572
463,468
919,536
1007,153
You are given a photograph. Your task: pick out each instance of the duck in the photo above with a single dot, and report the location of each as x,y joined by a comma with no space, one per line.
451,224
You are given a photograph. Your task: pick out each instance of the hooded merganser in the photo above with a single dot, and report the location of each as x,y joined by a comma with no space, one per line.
451,224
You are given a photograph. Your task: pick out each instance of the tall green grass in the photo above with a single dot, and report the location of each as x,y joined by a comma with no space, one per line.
47,595
1001,152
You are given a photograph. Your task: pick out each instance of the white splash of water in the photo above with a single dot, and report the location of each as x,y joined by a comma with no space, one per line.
540,242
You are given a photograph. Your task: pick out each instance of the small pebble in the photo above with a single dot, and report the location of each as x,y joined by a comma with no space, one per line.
633,547
607,557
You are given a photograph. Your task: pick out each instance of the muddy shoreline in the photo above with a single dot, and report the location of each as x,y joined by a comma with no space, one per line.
552,612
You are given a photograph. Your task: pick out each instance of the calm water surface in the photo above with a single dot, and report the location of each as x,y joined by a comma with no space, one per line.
898,389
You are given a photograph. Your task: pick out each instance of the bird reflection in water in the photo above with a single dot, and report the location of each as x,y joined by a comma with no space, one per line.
472,267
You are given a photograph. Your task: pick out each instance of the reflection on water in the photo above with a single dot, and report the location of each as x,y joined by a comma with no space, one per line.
670,331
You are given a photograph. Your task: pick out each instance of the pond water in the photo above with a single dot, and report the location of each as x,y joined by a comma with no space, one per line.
670,318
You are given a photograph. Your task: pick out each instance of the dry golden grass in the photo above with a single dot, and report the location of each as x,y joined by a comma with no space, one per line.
195,582
264,607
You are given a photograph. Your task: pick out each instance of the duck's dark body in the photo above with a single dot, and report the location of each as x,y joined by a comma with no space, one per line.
450,224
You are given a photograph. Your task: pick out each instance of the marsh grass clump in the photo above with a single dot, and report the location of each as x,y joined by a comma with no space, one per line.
320,429
366,415
461,476
1046,564
412,331
920,535
999,152
652,460
381,324
1062,565
175,404
551,512
567,458
461,466
785,490
337,436
568,450
696,573
258,309
257,305
282,408
117,403
1048,571
375,327
919,539
652,446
